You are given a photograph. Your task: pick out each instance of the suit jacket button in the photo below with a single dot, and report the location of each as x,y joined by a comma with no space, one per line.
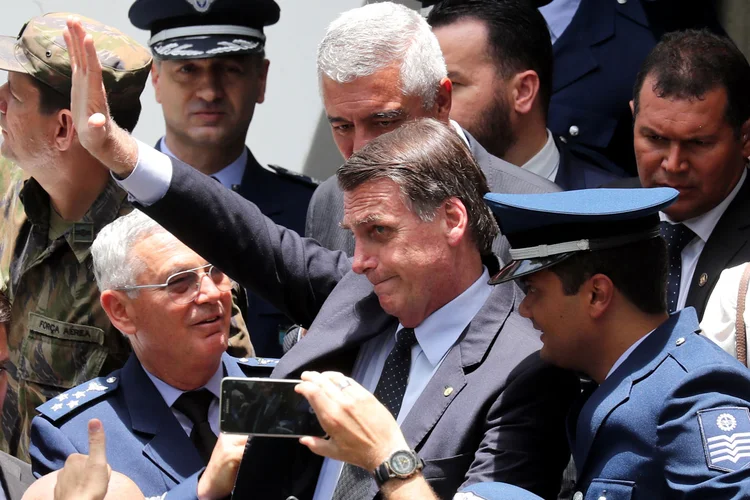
680,341
703,280
622,2
578,496
573,131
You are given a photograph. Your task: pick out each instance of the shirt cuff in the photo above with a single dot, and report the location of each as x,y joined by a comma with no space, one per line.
150,179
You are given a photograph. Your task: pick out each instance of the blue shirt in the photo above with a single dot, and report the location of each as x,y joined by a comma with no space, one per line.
559,14
229,176
435,337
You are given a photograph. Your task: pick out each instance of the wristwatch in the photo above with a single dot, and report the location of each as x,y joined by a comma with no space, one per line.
402,464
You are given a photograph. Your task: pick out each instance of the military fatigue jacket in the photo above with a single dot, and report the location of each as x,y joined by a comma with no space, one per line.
59,335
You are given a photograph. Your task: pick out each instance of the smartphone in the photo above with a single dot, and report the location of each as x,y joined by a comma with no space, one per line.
266,407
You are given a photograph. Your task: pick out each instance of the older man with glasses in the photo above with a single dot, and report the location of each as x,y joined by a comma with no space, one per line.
161,410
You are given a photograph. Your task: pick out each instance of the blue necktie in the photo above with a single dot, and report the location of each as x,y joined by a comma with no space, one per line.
677,236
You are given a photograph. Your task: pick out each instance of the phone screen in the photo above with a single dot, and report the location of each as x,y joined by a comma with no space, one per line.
266,407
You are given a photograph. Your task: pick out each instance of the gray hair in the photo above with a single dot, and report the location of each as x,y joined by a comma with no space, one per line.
4,309
114,266
365,40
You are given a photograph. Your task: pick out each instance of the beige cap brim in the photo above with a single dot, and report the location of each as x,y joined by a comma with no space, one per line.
8,59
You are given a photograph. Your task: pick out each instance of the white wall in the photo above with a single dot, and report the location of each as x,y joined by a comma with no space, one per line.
289,129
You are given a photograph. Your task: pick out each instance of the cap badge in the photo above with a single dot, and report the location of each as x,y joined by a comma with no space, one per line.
201,5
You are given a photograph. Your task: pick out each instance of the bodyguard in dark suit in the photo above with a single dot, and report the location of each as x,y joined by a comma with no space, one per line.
161,410
597,57
209,73
692,120
413,200
499,61
671,410
366,96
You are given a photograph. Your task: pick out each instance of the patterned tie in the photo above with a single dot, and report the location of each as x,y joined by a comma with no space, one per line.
677,236
194,405
354,482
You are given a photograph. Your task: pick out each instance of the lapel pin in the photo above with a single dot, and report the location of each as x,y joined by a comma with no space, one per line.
680,341
703,279
448,391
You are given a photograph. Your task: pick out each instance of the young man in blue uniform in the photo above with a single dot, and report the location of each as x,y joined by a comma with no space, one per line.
209,73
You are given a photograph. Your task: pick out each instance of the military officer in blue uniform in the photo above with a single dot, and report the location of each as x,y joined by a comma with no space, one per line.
209,73
668,412
161,410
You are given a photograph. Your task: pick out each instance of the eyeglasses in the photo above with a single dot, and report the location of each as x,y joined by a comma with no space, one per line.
183,287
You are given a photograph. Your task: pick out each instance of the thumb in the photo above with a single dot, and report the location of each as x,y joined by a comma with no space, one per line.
97,443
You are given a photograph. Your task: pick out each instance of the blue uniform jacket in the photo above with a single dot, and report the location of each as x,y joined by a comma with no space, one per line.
671,422
144,439
283,197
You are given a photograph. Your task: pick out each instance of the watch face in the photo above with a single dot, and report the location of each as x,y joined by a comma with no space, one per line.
403,462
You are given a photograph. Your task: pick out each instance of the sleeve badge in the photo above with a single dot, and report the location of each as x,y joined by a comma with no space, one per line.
726,437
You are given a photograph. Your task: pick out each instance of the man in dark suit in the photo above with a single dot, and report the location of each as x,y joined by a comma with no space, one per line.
499,61
380,66
209,72
410,316
692,120
599,45
161,409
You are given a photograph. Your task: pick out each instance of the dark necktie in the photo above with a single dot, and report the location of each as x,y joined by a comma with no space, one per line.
194,405
677,236
354,482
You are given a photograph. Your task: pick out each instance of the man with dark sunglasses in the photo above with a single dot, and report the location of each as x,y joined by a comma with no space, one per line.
161,410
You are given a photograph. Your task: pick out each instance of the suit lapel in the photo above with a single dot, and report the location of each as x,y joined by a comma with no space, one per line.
470,349
169,448
567,178
253,188
615,390
730,235
595,22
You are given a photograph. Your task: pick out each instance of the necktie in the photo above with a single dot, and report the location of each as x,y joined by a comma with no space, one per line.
194,405
354,482
677,236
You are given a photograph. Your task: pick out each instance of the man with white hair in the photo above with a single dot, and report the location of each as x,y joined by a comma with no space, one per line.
379,66
161,409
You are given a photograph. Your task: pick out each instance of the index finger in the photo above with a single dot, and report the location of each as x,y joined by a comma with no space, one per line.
97,442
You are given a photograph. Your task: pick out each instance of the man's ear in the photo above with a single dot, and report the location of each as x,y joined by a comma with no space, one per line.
525,87
119,309
262,79
443,100
456,221
64,131
601,291
632,108
745,137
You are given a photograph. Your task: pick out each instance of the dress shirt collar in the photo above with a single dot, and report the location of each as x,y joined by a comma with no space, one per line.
559,14
441,329
546,162
228,176
170,394
703,225
627,353
460,132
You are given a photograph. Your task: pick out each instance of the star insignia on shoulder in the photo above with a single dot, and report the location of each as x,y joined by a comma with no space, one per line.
72,404
80,394
62,397
57,407
95,386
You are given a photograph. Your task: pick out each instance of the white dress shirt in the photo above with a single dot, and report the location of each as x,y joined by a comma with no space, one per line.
170,395
559,14
229,176
720,316
702,226
435,337
546,162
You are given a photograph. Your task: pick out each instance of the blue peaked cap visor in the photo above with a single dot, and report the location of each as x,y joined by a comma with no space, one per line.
545,229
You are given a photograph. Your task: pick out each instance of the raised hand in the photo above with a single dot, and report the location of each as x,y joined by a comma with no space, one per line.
96,131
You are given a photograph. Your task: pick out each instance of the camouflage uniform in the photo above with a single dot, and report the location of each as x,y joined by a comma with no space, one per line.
59,335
